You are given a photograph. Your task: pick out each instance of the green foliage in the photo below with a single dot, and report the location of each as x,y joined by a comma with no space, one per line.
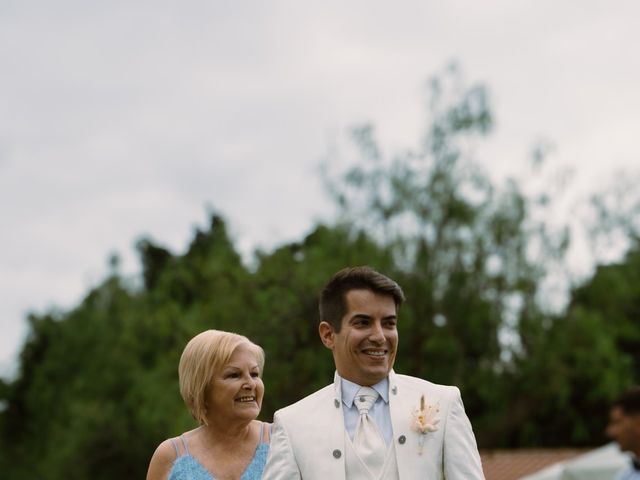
613,293
566,374
97,386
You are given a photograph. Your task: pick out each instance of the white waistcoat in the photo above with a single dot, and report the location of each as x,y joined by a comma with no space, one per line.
357,470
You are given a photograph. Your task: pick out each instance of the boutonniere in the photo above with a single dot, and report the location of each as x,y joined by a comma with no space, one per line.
424,420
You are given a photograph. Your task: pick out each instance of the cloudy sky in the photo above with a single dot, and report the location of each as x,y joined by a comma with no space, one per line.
124,118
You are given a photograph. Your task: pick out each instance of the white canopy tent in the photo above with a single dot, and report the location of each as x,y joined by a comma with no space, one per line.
600,464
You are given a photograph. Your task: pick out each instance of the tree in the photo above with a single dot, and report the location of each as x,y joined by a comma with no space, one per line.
613,294
97,386
472,256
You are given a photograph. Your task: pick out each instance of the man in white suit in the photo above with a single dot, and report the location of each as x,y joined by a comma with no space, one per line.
420,429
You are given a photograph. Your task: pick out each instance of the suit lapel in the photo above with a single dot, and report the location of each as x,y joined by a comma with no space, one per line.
400,410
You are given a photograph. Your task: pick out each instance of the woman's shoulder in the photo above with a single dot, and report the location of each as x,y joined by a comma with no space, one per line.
166,454
162,460
167,448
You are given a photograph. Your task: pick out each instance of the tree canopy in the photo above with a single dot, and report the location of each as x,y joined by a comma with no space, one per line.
97,390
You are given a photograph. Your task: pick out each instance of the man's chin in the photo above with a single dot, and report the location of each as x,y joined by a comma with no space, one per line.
375,375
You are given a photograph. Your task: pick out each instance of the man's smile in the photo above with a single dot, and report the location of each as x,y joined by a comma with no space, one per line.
375,352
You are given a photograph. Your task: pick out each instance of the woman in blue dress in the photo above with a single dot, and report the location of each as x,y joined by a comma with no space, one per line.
221,383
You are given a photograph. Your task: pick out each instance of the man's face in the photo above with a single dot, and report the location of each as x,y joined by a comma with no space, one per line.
624,429
365,348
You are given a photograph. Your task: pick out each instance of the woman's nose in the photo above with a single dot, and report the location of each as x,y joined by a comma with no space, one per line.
249,382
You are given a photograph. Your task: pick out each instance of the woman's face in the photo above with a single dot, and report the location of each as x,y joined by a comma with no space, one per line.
236,391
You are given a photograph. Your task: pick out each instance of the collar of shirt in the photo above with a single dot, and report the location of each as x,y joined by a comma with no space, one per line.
380,412
350,389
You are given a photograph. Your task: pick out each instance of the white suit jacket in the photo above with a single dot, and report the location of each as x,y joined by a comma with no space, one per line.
308,437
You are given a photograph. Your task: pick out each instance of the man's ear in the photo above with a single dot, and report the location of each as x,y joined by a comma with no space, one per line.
636,423
326,334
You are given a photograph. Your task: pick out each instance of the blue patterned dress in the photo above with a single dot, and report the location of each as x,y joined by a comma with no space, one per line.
187,467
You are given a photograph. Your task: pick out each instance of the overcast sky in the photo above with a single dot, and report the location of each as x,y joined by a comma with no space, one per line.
124,118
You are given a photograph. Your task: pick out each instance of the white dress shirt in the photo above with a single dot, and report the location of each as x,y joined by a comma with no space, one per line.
379,412
629,473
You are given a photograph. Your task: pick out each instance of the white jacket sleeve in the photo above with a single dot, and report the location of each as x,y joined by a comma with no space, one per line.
461,458
281,462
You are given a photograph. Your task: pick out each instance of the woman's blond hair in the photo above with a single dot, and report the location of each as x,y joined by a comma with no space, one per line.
202,358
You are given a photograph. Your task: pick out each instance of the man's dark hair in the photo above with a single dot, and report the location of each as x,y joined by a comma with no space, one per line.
333,303
629,401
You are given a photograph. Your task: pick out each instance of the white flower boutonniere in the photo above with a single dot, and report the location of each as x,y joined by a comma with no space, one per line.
424,420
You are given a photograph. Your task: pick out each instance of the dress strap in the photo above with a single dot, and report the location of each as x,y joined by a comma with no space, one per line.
175,445
265,432
186,449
